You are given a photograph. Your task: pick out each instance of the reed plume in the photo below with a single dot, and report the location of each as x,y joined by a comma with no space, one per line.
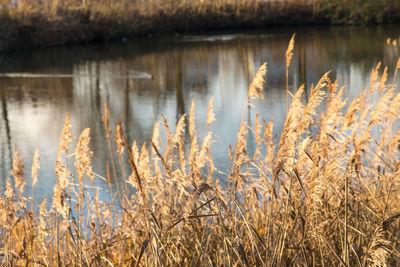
35,167
119,141
18,171
105,119
289,55
289,51
257,85
210,113
83,157
65,138
179,130
324,192
192,123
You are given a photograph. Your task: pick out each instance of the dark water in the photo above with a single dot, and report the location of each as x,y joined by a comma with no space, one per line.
32,109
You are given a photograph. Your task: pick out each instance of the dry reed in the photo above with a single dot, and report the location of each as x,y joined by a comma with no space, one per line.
289,55
326,194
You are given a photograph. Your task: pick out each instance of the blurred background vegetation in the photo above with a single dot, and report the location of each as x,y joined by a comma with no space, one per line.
26,23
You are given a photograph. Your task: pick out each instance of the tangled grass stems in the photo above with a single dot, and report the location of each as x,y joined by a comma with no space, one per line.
326,193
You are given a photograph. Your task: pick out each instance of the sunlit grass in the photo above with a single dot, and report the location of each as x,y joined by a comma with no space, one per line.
325,193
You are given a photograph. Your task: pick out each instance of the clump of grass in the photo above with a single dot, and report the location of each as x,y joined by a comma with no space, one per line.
360,11
325,193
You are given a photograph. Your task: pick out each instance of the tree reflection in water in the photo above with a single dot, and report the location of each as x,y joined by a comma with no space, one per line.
199,67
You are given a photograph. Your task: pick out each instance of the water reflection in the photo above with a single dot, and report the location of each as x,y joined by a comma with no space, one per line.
222,66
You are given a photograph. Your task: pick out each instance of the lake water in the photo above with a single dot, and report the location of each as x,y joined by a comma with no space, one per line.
33,109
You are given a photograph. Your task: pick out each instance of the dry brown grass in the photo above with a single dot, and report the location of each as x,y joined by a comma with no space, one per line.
35,23
54,22
326,194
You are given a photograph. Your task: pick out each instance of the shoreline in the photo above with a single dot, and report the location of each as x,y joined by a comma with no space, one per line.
30,25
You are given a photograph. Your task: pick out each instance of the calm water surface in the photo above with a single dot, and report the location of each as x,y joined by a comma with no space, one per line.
32,110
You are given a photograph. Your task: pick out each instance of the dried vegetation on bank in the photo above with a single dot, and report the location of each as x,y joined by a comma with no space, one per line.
31,23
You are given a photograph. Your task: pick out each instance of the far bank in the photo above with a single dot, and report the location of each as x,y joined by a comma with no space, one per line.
27,23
